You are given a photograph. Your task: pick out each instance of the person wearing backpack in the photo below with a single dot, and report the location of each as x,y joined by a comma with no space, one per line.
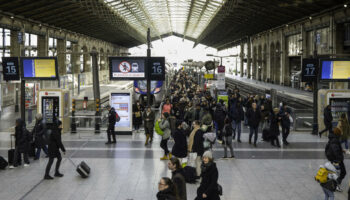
39,132
165,126
334,154
22,137
227,136
55,145
327,176
112,119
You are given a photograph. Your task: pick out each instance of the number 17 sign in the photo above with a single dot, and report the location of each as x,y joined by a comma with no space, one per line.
309,70
156,68
10,68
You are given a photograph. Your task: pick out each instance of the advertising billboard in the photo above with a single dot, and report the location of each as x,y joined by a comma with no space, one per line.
122,103
127,68
36,68
335,70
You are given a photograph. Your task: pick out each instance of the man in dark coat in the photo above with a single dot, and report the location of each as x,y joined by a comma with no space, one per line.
219,117
237,116
178,177
336,151
55,144
254,118
22,138
180,146
39,132
274,130
149,117
285,122
208,188
328,118
112,119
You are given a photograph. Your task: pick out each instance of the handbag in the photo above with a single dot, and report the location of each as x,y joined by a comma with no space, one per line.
137,114
219,189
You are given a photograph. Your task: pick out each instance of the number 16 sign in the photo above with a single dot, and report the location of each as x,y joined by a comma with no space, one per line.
156,68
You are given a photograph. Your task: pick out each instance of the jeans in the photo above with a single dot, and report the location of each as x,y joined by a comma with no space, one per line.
49,164
228,143
164,146
285,133
346,144
236,126
37,154
110,132
253,130
328,195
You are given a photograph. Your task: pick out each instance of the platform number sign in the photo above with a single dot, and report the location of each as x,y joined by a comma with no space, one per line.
309,70
156,68
10,68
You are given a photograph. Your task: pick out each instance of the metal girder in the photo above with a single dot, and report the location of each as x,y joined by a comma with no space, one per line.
188,17
55,12
169,15
201,14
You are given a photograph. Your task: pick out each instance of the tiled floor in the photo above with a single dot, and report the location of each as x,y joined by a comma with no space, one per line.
129,170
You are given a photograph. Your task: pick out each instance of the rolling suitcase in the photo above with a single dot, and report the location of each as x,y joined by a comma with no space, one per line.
83,169
266,134
11,153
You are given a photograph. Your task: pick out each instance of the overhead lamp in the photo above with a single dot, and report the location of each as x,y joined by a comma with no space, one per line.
12,17
287,25
103,62
345,5
310,18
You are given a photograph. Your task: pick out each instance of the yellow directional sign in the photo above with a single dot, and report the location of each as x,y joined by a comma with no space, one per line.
209,76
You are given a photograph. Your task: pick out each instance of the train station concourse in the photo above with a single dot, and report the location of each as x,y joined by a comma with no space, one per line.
174,99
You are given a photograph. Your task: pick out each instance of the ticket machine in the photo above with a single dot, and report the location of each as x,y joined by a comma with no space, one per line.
339,100
54,103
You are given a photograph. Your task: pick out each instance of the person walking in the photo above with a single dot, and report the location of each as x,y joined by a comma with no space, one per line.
195,145
178,177
343,125
55,145
137,115
254,117
165,126
149,118
274,127
334,153
39,132
327,119
227,135
167,189
208,188
219,118
237,118
112,119
180,146
285,122
22,138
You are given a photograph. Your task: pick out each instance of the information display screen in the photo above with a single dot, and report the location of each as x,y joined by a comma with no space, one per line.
121,102
157,68
335,70
39,68
10,68
127,68
309,70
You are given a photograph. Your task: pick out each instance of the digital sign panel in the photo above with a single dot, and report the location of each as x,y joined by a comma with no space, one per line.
122,103
157,68
127,68
335,70
10,68
309,70
39,68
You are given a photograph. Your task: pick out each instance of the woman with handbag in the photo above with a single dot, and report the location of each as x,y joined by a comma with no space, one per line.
137,115
165,126
209,187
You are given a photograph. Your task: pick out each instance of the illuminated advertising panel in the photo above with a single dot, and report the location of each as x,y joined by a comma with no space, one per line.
122,103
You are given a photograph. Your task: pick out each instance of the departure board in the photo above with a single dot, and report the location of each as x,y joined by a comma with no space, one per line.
39,68
335,70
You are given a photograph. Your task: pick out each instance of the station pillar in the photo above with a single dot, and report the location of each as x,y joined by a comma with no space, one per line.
96,88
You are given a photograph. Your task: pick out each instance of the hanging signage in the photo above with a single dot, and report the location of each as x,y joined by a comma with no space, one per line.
10,68
209,76
156,69
309,70
220,84
127,68
39,68
221,69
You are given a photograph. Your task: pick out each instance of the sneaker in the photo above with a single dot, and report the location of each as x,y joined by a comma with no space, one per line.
164,158
57,174
108,143
339,189
26,165
48,177
12,167
114,142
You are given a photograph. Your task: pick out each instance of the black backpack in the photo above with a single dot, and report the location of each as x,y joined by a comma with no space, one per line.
190,174
329,152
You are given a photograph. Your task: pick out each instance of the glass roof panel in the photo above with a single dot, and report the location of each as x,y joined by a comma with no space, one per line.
185,17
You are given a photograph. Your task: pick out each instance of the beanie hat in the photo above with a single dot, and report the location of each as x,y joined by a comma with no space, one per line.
166,115
208,154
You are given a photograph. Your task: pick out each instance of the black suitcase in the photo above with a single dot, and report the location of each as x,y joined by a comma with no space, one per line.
190,174
83,169
3,163
11,153
266,134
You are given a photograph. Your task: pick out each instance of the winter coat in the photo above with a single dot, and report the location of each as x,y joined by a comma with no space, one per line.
180,147
265,114
22,137
166,194
165,126
253,117
207,119
149,120
328,118
179,181
39,132
237,113
189,114
285,121
209,183
274,126
137,110
55,143
227,130
112,117
343,124
198,140
219,117
335,147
